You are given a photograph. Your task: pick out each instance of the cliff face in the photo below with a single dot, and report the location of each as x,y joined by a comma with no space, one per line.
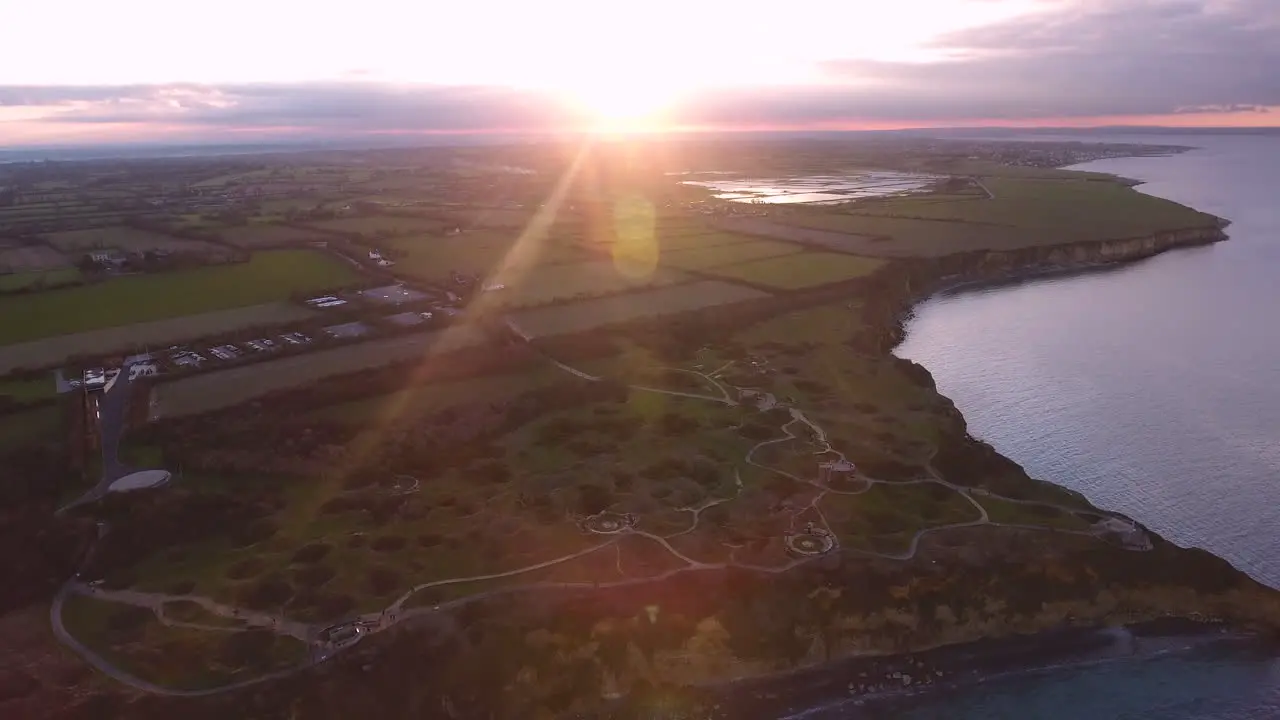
898,287
995,264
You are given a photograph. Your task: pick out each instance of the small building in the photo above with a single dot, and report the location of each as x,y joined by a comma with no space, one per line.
835,470
109,256
94,379
143,369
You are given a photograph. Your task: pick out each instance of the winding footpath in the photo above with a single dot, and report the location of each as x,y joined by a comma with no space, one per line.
322,649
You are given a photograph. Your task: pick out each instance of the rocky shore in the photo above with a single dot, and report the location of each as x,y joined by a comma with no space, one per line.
875,686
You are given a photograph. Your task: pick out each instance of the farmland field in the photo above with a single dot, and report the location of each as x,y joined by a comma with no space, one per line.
52,350
587,314
697,258
32,257
422,398
543,284
1089,208
124,238
435,257
267,235
373,224
1024,213
223,388
35,279
266,277
794,272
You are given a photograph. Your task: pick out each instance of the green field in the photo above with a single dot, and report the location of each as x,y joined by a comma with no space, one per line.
805,270
434,257
698,258
670,238
1024,213
542,284
1090,208
1003,511
16,281
192,658
266,277
267,235
30,426
372,224
588,314
213,390
121,237
35,389
420,399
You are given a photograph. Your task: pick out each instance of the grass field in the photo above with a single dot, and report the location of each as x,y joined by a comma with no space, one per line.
30,426
191,658
52,350
373,224
804,270
1089,208
434,257
1002,511
266,277
39,278
698,258
232,386
420,399
124,238
587,314
1024,213
41,387
32,258
669,239
543,284
267,235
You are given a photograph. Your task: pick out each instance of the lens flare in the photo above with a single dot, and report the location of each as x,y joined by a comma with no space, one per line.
635,244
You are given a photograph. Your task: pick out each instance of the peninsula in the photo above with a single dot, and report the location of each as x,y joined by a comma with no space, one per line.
539,431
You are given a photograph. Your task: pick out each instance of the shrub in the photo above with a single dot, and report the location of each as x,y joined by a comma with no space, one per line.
388,543
313,576
247,568
311,553
384,580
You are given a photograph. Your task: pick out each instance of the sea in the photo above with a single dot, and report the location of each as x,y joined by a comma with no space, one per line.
1154,389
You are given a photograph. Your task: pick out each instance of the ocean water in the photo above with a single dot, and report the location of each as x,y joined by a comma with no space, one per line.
1206,685
1154,389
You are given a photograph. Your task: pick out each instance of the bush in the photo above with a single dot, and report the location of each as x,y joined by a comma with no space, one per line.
253,533
312,576
491,471
388,543
384,580
244,648
593,499
182,587
247,568
269,592
311,553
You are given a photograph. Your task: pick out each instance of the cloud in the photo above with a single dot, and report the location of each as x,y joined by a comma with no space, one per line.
1072,59
1224,109
1089,58
350,106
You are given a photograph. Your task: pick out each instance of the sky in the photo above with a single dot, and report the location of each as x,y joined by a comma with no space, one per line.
86,71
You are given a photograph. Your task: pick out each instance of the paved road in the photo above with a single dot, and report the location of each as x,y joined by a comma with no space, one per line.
111,416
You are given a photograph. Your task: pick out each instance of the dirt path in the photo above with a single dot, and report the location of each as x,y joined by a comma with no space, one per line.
397,612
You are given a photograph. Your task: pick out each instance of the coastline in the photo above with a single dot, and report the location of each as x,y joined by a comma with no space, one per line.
868,686
873,683
1024,644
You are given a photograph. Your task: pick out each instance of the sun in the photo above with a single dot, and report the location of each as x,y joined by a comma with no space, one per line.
618,101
